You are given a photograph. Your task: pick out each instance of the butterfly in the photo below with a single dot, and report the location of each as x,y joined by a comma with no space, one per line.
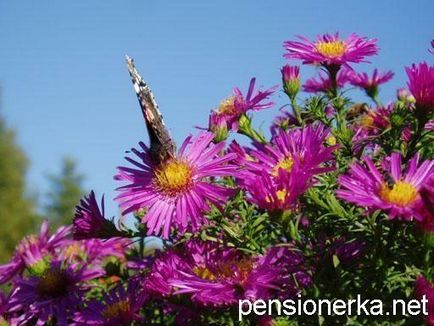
162,147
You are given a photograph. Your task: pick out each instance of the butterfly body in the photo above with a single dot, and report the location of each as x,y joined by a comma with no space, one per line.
162,147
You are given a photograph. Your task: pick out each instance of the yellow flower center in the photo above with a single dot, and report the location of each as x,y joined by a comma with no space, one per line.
280,194
401,193
332,49
173,177
227,106
285,164
116,309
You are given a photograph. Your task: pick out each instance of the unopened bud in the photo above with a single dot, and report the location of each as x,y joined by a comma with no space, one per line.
291,80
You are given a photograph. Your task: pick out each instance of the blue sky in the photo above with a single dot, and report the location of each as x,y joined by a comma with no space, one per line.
67,92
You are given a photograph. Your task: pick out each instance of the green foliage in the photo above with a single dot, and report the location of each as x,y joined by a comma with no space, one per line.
65,194
17,210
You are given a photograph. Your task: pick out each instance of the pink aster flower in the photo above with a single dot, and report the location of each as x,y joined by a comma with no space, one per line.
177,192
277,173
424,288
32,251
276,193
238,104
118,306
220,276
89,221
369,125
324,84
370,83
395,191
302,146
363,80
421,85
93,252
331,50
54,294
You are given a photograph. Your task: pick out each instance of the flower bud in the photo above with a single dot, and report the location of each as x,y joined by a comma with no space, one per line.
291,80
405,96
218,126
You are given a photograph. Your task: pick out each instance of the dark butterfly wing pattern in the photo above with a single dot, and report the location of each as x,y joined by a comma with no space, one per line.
162,147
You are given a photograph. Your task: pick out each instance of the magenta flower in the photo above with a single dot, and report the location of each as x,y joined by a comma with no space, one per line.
32,252
369,125
119,306
424,287
276,193
176,193
394,191
93,252
55,294
427,210
302,146
363,80
89,221
236,105
165,267
421,85
253,100
324,84
222,276
331,50
277,173
370,83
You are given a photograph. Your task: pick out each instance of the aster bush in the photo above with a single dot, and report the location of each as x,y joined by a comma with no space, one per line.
336,200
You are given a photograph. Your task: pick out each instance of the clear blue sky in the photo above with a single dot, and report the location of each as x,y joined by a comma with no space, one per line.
67,92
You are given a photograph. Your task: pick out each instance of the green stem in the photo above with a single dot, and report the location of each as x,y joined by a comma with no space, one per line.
297,111
245,128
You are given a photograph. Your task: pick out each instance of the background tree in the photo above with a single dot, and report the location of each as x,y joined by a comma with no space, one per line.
66,191
17,211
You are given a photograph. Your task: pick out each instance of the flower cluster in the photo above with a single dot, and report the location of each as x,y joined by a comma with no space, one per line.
336,200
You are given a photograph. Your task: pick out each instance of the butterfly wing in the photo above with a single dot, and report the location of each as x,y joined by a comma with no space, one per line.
162,147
